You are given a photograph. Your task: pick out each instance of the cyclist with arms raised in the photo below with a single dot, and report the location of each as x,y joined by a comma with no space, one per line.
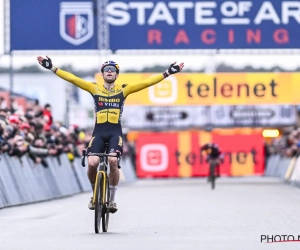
109,99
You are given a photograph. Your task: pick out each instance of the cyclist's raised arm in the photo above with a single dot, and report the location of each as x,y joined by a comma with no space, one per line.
134,87
75,80
47,63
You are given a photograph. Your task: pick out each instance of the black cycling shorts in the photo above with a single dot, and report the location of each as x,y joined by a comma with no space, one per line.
98,141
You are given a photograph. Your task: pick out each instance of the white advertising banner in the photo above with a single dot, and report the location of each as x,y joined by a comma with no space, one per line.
178,117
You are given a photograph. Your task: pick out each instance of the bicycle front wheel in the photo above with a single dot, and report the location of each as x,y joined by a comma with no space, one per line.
105,212
212,175
98,201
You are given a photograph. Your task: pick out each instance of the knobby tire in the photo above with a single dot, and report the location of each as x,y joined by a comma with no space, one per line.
212,175
98,202
105,212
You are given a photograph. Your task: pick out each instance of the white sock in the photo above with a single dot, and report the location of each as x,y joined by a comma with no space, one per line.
112,191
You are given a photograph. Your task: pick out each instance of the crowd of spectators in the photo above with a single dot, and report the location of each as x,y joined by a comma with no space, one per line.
34,131
288,144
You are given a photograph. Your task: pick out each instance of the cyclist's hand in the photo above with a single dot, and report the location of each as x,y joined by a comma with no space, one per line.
46,63
173,69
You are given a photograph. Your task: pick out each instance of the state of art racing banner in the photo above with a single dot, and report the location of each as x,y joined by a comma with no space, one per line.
198,24
155,24
216,89
178,154
185,117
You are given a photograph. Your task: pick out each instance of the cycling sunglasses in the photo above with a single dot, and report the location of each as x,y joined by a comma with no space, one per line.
111,68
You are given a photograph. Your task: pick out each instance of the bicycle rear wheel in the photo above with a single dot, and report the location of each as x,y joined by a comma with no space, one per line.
105,212
98,201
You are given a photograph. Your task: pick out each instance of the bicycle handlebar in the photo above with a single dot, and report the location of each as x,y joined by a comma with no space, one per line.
96,154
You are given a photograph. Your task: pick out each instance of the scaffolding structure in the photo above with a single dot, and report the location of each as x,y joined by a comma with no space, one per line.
103,29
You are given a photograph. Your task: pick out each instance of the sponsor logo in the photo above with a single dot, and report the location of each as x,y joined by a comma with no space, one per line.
208,14
252,113
231,89
203,13
114,105
166,115
164,92
109,100
76,22
120,143
100,103
241,157
154,157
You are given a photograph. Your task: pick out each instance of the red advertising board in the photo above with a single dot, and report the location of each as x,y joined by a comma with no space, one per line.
21,102
5,95
178,154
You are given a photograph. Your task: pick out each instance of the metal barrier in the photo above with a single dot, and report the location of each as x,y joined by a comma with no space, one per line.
81,174
127,170
295,177
272,164
22,181
290,169
11,191
283,167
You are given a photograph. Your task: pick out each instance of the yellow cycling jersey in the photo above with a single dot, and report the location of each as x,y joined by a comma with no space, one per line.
109,103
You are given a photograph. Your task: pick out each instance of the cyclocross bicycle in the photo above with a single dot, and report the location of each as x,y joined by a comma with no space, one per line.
101,190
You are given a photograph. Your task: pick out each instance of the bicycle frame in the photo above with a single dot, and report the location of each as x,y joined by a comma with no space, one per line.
101,191
103,165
